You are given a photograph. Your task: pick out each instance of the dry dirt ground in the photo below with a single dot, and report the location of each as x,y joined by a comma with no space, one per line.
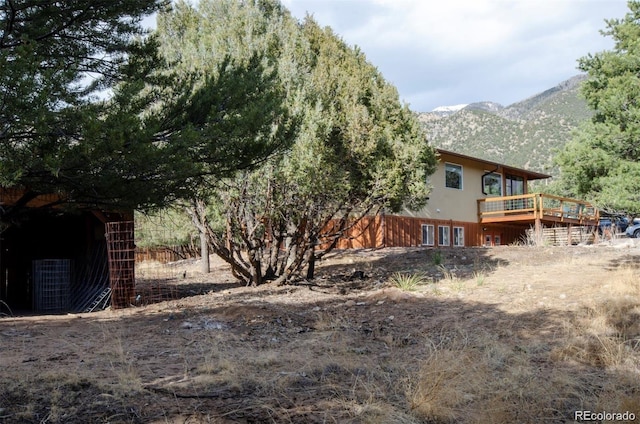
491,335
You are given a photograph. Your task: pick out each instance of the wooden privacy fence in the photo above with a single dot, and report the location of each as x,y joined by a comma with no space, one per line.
366,233
564,236
165,254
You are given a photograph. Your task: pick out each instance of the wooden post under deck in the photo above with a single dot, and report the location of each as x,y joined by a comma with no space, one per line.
537,233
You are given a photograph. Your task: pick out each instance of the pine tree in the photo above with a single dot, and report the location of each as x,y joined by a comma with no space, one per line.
57,62
602,162
90,110
356,148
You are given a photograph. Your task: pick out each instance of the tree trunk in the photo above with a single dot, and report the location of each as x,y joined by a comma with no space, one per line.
311,259
197,211
311,266
204,253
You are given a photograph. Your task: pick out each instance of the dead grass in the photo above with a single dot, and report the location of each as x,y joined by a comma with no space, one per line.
476,378
502,335
606,332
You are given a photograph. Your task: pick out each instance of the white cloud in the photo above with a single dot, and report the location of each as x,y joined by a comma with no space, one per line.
434,51
456,27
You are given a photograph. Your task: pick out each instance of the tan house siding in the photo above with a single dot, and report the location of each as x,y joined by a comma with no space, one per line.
459,204
452,216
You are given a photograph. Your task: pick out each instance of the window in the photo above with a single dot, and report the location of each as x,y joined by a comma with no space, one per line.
443,236
492,240
458,236
515,185
453,176
492,184
427,235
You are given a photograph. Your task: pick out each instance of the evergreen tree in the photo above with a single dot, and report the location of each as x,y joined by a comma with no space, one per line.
602,162
56,60
89,109
356,149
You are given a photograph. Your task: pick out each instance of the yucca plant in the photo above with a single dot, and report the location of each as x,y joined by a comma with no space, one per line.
407,281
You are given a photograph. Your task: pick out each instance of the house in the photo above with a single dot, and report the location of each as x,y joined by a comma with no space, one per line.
476,202
57,260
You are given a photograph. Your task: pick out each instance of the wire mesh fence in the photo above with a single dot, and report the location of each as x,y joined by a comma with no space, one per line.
143,276
160,267
51,285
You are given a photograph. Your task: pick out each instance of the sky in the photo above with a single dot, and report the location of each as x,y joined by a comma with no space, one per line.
450,52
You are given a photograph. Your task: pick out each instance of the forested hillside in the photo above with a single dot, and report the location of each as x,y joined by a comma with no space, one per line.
525,134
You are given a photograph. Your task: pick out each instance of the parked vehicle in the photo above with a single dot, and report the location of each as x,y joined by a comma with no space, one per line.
613,224
633,230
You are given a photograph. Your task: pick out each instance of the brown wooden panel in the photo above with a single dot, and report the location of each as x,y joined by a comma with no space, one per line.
9,196
364,234
400,231
392,230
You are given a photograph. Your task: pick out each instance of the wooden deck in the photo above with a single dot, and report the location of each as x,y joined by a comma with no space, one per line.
537,207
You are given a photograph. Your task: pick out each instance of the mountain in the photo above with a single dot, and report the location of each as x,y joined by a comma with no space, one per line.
525,134
448,110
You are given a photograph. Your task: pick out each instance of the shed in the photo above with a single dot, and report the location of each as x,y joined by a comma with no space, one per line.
55,260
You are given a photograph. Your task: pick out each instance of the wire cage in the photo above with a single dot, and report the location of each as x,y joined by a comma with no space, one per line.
51,285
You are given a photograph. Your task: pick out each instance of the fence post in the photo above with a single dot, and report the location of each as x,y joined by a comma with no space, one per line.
121,252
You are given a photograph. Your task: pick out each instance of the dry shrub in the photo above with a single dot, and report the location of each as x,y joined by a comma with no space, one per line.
441,386
213,364
607,334
331,321
605,338
121,360
219,366
613,399
478,378
623,285
449,378
592,351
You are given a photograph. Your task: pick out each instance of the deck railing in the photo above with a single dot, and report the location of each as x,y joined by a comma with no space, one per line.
536,206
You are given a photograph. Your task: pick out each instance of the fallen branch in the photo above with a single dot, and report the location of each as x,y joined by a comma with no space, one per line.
225,393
